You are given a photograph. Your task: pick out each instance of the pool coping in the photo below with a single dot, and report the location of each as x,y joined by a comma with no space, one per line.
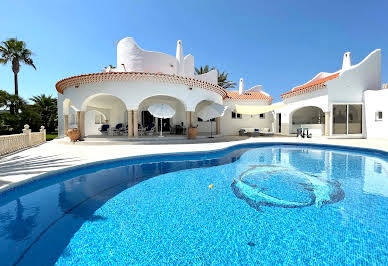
36,178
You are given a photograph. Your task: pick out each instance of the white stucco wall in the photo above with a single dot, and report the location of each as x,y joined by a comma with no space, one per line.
91,128
376,100
60,115
132,58
211,77
231,126
188,62
138,60
349,87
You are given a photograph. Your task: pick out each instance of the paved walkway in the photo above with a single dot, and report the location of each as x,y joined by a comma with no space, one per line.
23,166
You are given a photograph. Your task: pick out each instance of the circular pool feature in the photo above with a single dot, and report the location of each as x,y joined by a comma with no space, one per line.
269,204
321,191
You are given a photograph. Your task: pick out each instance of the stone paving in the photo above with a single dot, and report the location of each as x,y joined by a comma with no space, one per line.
23,166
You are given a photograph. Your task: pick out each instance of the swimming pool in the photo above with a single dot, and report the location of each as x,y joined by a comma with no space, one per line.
266,204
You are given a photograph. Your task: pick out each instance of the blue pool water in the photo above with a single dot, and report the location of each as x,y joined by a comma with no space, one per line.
270,204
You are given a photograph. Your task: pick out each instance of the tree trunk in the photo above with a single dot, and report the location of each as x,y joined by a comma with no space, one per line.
15,69
16,83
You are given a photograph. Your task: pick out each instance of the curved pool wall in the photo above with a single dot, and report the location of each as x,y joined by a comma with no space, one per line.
26,233
53,177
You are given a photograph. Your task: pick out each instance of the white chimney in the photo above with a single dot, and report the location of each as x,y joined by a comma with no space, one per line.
346,62
179,57
241,86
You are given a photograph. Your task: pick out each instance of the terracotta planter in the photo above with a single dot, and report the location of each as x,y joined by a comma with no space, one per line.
193,131
73,134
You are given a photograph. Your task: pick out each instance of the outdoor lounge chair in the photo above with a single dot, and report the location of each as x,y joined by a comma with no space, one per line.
265,132
150,129
104,129
140,130
251,132
304,133
124,131
116,130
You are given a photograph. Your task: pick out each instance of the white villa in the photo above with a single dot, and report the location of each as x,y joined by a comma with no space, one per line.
122,95
349,102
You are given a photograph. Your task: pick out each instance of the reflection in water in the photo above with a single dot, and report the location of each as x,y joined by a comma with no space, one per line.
69,204
71,195
376,178
21,226
307,160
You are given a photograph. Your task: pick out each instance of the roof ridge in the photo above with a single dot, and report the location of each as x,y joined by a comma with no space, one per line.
304,88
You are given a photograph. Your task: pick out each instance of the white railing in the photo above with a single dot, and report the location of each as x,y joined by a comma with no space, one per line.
11,143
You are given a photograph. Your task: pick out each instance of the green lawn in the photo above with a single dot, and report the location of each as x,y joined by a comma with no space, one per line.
51,136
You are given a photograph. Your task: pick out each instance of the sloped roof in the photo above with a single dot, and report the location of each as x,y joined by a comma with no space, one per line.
310,86
134,76
248,95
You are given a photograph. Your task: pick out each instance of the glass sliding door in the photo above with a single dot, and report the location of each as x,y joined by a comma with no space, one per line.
347,119
339,119
355,119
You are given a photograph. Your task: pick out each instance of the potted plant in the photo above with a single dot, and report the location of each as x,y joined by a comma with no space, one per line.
193,132
74,134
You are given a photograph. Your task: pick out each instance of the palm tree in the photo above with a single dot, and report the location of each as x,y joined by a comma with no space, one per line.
11,101
222,77
3,98
203,70
224,82
46,106
15,51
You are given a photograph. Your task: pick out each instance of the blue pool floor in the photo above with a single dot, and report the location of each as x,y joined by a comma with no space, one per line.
171,216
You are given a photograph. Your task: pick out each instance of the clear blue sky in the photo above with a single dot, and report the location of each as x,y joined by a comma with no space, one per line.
278,44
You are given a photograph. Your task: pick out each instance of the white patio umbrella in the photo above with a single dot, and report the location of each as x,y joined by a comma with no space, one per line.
211,111
161,110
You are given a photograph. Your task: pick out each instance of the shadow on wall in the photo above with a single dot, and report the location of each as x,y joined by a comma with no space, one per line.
24,165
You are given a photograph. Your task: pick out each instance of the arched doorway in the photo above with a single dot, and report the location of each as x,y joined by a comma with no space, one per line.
310,117
204,126
104,109
70,117
175,125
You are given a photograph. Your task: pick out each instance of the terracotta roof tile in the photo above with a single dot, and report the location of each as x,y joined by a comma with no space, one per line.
305,88
134,76
247,95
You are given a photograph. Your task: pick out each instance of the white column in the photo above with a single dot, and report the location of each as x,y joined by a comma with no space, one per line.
135,126
188,121
327,123
81,123
218,126
130,123
43,132
27,131
66,124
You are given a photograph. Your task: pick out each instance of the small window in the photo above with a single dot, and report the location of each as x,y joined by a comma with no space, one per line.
236,115
262,116
379,116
